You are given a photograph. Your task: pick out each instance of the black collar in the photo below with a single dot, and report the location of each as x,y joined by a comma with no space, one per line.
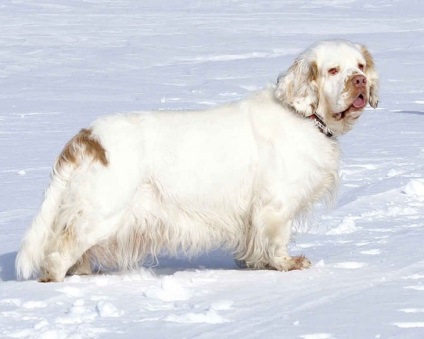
321,125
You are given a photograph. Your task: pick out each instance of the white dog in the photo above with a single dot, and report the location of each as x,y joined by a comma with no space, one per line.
137,185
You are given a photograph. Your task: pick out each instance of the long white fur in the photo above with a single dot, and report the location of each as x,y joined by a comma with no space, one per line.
234,176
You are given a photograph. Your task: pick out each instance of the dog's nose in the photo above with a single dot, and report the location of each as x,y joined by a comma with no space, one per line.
359,81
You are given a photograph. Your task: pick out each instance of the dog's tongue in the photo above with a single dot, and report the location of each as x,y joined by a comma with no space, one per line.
359,102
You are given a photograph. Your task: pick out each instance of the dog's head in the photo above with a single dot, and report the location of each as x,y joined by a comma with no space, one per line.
334,79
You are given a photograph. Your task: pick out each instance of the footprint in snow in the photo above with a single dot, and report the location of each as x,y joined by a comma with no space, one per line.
77,314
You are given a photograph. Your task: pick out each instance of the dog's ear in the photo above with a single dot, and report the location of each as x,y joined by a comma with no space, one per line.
298,86
372,76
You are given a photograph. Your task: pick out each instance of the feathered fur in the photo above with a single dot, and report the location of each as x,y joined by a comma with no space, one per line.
137,185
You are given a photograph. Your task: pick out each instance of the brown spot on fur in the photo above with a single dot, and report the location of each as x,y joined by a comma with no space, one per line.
368,58
291,85
371,73
81,145
313,71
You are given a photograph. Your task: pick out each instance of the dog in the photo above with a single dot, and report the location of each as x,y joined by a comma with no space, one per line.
133,186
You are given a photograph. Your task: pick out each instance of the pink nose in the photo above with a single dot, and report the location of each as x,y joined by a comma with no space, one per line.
359,81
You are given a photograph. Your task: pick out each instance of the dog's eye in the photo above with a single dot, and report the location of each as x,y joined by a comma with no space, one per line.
361,67
333,70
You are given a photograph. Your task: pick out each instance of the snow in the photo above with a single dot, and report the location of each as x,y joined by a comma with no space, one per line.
64,63
415,189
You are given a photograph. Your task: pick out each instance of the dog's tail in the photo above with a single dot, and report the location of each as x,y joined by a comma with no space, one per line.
82,147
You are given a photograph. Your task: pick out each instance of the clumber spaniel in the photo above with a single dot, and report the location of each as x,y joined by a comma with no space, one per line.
133,186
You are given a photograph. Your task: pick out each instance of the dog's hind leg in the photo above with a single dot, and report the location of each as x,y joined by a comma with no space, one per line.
68,254
82,266
68,251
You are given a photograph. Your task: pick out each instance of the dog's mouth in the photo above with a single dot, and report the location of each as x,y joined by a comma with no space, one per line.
354,110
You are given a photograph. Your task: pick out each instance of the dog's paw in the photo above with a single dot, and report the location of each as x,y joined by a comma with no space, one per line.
299,263
52,270
279,263
290,263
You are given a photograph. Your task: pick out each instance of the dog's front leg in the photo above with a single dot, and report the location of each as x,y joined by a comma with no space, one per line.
277,233
267,244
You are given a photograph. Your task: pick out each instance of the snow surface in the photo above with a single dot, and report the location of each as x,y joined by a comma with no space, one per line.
65,62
